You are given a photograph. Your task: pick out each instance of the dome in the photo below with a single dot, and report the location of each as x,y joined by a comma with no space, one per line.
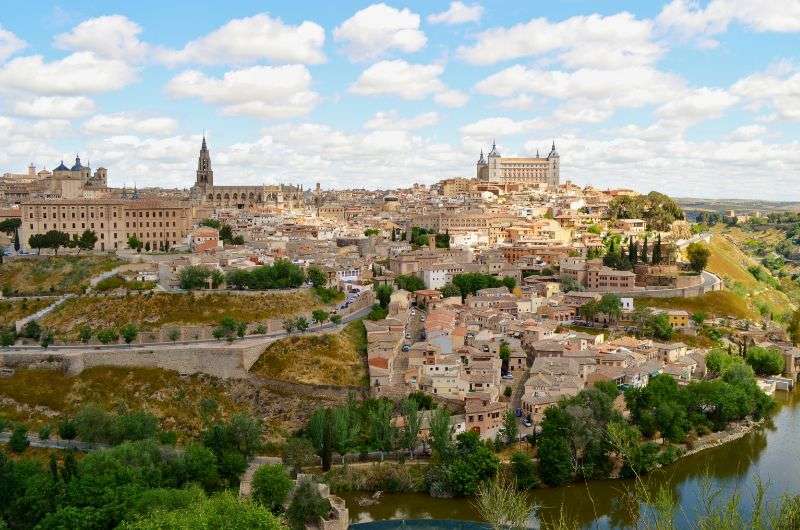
77,166
61,167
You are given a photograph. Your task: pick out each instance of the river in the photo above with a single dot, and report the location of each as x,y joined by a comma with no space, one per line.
771,454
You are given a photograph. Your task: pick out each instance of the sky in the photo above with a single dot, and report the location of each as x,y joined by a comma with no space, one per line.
691,98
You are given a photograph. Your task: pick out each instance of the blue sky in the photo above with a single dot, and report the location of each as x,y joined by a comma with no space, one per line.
691,98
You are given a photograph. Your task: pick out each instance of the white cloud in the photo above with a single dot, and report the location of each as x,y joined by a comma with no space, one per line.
408,81
747,132
500,126
54,107
586,88
687,19
518,102
595,41
697,105
126,123
251,39
77,73
379,28
392,121
9,44
451,98
113,36
261,91
777,88
457,13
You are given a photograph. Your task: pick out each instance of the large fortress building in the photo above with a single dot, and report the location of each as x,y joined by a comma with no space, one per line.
205,191
533,170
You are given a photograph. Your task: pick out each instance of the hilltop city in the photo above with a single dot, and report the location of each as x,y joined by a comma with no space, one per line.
458,323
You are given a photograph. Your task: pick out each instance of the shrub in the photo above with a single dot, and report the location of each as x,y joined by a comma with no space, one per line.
307,505
129,332
67,430
44,432
524,470
32,330
107,336
271,487
19,439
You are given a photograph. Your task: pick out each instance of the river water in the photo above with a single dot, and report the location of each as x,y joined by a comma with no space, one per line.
771,454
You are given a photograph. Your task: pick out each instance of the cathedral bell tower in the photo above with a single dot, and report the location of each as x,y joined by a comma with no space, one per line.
205,175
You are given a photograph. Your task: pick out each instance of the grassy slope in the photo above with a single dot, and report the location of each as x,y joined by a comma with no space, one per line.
53,274
744,294
334,359
13,310
151,311
730,263
42,396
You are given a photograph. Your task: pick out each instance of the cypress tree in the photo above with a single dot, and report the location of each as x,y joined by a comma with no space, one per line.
643,258
633,250
657,251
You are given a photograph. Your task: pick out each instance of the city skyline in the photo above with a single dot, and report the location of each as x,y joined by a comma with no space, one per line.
692,99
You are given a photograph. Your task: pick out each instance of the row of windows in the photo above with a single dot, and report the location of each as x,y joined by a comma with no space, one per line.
147,224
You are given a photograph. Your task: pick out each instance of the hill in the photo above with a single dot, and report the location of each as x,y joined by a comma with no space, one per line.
151,311
52,274
332,359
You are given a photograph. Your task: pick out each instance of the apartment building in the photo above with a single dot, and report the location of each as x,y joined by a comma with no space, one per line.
157,223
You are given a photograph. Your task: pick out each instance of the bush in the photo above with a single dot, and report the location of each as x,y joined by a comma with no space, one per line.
67,430
19,439
524,470
765,361
107,336
307,505
32,330
44,432
271,487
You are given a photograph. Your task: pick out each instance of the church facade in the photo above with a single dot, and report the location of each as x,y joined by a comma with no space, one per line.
530,170
208,193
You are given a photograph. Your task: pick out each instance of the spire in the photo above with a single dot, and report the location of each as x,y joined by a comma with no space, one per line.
203,147
537,152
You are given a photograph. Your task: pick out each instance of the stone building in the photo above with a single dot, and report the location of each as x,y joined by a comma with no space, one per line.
63,182
159,223
527,170
205,191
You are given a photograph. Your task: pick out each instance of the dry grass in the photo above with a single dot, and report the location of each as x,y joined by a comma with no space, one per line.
151,311
40,397
53,274
13,310
717,303
333,359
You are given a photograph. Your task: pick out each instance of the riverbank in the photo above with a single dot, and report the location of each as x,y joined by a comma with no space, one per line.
735,462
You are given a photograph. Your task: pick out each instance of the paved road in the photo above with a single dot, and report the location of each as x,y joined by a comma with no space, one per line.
328,327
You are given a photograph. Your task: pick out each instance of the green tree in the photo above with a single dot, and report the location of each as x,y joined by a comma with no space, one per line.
657,257
19,439
301,323
194,277
67,430
85,334
298,453
107,336
307,505
134,243
271,487
524,471
441,433
409,282
411,424
319,316
765,361
643,257
129,332
87,240
510,429
46,338
449,290
316,276
718,361
336,319
384,293
698,255
32,330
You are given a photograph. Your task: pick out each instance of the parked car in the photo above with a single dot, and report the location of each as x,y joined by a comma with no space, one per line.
527,423
507,376
406,347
